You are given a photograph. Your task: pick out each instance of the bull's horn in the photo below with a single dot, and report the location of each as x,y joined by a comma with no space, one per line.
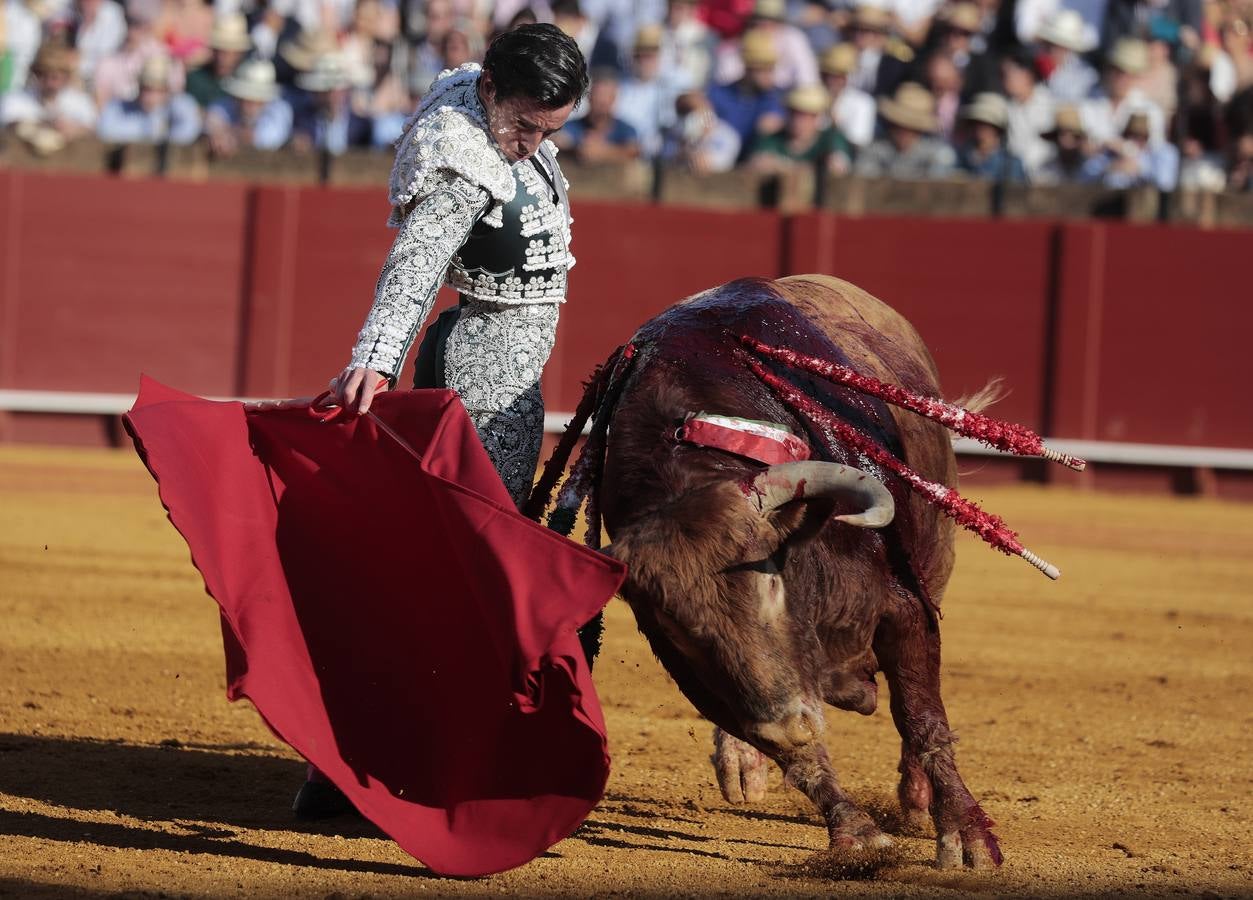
813,480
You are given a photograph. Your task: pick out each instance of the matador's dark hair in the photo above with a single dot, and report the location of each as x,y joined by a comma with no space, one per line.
540,62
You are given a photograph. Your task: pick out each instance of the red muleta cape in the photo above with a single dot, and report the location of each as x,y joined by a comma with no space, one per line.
397,622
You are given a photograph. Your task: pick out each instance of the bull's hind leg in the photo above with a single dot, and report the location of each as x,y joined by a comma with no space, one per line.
909,654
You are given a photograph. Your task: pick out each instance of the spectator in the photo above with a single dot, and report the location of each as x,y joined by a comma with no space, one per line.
699,140
880,68
19,42
1107,116
228,42
1030,108
752,105
1241,175
1160,81
1136,160
1068,149
51,111
600,137
156,115
1201,167
185,27
984,155
117,76
944,80
852,110
645,96
459,47
806,138
325,120
568,15
687,46
99,28
295,58
910,151
961,39
1063,41
252,114
383,98
795,66
427,59
1234,35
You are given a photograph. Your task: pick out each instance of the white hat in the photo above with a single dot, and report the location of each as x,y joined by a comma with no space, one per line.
989,108
155,72
230,32
253,80
328,74
1065,28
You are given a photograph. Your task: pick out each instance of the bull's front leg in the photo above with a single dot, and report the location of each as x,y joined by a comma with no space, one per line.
795,742
909,654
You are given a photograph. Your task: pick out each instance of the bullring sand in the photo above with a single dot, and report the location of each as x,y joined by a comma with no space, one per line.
1105,723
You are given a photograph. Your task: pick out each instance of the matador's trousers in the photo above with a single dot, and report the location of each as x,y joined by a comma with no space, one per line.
492,355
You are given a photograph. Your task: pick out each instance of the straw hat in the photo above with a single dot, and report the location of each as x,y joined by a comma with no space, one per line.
758,49
230,32
155,72
328,74
1130,55
1065,29
649,38
989,108
1066,118
309,46
809,99
872,18
839,60
775,10
963,16
911,107
253,80
54,57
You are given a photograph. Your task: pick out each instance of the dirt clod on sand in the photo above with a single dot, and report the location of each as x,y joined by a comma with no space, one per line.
1104,724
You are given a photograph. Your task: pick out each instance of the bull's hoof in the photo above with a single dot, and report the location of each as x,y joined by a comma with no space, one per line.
863,837
975,848
321,800
741,769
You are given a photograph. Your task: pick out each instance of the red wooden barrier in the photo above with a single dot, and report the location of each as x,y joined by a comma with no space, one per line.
977,291
103,278
1153,328
1130,333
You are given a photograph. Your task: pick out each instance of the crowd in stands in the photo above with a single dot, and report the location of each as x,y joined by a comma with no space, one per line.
1122,93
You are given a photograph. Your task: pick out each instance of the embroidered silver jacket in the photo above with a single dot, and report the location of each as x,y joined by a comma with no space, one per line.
495,232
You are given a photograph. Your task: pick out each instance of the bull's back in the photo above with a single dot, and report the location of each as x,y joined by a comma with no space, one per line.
882,343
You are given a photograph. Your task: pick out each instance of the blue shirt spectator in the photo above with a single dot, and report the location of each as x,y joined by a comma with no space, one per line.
156,116
252,114
752,105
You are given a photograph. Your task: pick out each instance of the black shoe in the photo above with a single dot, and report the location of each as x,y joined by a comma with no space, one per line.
321,800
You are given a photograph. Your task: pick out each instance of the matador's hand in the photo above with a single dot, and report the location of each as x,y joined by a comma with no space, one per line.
354,389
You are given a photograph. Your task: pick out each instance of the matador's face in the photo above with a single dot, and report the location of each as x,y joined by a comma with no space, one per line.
517,124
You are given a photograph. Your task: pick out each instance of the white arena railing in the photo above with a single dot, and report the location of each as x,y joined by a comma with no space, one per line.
1114,452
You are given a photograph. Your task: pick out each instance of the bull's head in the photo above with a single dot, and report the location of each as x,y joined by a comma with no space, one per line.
708,568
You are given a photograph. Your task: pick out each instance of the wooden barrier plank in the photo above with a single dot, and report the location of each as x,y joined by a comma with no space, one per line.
977,292
117,277
1154,336
633,262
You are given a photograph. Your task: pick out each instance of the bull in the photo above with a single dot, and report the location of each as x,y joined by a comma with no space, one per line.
771,591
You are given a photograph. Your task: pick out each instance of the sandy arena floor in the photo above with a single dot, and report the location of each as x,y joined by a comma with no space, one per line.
1105,723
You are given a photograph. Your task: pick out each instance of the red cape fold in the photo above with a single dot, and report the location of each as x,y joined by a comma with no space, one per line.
397,622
